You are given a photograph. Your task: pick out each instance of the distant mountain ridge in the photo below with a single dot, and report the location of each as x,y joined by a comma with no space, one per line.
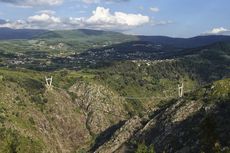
2,21
8,34
77,33
186,42
84,34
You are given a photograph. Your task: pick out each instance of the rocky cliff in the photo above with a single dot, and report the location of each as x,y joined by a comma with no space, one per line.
101,106
197,122
67,119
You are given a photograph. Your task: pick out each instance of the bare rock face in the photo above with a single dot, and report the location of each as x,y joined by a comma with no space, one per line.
186,110
121,136
62,120
161,129
181,127
101,106
165,128
198,122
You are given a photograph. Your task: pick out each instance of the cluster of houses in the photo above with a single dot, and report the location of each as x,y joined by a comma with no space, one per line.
151,62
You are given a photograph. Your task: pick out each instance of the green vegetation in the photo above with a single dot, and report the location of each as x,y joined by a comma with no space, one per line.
68,41
12,142
145,84
142,148
111,73
26,107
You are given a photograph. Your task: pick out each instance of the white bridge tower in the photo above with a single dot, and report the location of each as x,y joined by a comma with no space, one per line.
181,89
49,83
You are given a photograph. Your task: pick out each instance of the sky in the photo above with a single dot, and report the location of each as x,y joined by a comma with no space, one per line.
175,18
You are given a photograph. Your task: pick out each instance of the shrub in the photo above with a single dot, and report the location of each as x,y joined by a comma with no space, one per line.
141,148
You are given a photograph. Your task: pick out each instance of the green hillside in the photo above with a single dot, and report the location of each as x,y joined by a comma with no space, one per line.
85,35
68,41
32,116
101,86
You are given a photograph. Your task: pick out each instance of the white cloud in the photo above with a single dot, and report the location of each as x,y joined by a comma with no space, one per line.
32,2
44,18
45,21
154,9
14,25
218,30
101,18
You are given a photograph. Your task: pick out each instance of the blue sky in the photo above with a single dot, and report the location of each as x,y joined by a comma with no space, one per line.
177,18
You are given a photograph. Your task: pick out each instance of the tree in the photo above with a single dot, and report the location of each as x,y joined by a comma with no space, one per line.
151,149
141,148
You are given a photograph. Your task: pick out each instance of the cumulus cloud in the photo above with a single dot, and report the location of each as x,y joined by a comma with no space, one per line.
19,24
44,18
154,9
32,2
101,18
217,31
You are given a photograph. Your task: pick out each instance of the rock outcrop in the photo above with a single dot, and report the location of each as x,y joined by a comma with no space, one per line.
197,122
102,107
121,136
